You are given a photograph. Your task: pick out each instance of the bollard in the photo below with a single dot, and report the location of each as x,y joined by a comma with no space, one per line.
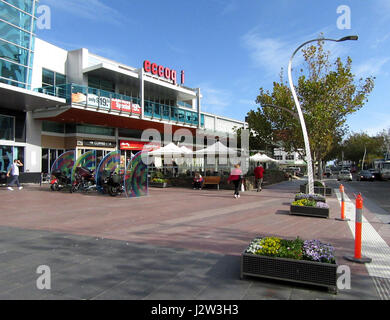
358,234
342,205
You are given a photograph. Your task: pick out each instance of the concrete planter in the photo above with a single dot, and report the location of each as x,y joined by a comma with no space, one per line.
298,271
309,211
325,191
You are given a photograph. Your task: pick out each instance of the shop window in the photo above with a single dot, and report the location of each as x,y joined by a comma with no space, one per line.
129,133
45,160
95,130
7,128
18,153
101,84
51,78
6,158
55,127
290,157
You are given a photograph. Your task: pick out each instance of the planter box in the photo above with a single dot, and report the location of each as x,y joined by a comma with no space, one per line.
309,211
158,185
298,271
325,191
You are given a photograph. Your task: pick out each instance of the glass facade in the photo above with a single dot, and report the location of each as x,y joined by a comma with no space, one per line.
152,109
8,154
17,26
7,128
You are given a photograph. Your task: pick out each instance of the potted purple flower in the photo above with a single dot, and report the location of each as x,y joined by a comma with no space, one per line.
307,262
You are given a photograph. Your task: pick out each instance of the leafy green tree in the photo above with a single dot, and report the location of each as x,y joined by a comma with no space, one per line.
354,146
328,93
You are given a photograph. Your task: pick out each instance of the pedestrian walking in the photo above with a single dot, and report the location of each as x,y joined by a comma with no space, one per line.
259,174
236,177
14,172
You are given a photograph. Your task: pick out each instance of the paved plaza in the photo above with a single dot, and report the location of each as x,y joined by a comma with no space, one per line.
175,243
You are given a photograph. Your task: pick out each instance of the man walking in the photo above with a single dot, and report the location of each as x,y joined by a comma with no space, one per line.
14,171
259,173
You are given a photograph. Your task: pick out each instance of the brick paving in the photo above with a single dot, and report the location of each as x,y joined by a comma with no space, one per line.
174,244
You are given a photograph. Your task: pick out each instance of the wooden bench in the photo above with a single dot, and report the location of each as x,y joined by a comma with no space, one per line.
215,180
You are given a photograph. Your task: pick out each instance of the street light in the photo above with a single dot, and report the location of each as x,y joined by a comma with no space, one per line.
300,114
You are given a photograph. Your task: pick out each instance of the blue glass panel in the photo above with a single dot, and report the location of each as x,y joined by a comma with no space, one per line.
174,114
194,118
7,127
12,71
25,5
14,53
13,83
181,115
157,110
14,35
16,17
166,112
148,109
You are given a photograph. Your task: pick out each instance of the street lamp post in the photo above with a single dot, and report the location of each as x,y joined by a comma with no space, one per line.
300,114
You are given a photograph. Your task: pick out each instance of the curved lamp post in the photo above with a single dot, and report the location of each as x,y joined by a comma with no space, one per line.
300,114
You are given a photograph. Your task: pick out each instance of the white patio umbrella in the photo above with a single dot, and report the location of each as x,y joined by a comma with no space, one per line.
258,157
217,149
185,150
169,149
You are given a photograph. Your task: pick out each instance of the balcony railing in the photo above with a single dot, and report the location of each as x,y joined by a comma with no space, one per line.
114,102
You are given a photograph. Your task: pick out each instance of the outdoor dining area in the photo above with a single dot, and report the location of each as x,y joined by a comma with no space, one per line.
178,164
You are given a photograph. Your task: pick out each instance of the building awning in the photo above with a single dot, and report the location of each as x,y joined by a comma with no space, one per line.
80,116
26,100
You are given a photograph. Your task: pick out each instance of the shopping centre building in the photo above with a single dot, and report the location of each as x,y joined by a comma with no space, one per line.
53,100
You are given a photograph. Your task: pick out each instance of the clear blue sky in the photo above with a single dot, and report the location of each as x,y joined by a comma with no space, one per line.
230,48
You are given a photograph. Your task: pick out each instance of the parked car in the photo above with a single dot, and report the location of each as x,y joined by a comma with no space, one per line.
327,172
344,175
365,175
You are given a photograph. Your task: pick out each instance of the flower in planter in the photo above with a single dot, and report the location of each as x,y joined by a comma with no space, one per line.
322,205
314,196
305,203
315,250
311,250
269,246
291,249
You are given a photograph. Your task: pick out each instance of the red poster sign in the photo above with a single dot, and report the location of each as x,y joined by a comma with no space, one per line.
138,145
125,106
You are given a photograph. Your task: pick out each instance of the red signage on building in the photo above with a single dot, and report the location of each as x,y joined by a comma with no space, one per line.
138,145
125,106
162,72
